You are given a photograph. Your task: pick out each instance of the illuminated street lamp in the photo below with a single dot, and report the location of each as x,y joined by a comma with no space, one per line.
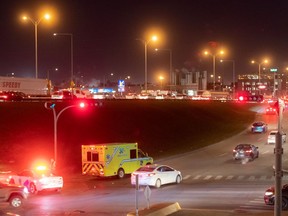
36,23
170,68
71,56
265,61
221,52
153,38
233,76
56,117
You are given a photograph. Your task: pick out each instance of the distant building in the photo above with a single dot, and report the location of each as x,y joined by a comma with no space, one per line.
188,81
272,84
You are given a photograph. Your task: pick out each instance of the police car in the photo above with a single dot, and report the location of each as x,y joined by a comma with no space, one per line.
39,179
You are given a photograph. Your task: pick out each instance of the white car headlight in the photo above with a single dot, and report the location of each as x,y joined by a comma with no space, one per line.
268,193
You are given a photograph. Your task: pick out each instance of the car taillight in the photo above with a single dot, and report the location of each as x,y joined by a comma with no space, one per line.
151,174
248,151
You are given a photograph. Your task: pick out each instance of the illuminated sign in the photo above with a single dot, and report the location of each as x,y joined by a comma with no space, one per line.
121,85
273,70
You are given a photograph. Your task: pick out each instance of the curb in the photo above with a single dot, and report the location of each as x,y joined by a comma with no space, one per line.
158,210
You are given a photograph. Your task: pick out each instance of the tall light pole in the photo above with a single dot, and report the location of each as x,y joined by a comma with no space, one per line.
71,56
56,117
221,52
146,42
233,75
170,65
265,61
161,78
36,23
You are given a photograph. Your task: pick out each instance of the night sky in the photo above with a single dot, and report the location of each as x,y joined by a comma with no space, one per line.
105,33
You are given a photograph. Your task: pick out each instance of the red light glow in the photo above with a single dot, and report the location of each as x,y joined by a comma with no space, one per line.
82,105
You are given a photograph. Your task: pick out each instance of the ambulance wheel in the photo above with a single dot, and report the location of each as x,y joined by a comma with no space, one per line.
121,173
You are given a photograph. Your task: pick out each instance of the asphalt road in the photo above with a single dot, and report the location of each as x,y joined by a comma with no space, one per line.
213,181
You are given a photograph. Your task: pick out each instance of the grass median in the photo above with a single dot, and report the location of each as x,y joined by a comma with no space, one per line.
161,128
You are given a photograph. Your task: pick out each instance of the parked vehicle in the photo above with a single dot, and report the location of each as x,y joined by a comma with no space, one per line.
14,194
271,111
40,179
272,137
243,151
113,159
12,96
62,95
269,196
259,127
29,86
156,175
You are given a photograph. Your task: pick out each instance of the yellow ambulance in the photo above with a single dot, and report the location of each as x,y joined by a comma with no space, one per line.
113,159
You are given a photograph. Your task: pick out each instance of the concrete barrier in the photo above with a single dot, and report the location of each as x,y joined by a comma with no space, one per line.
161,209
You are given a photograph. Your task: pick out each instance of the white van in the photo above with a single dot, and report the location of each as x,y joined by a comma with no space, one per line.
272,137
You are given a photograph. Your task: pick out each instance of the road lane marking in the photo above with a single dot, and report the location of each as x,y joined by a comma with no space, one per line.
197,177
256,201
229,177
186,177
240,177
222,154
208,177
218,177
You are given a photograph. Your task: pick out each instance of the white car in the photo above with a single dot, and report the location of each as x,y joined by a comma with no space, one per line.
156,175
37,180
272,137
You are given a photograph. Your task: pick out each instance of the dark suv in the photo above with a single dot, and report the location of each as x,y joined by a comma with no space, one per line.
14,194
269,196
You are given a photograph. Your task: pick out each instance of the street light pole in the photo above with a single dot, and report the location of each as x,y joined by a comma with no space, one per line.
259,68
214,65
154,38
170,64
56,117
36,23
71,56
214,71
233,76
145,53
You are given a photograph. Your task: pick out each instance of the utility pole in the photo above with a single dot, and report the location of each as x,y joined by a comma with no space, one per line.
278,151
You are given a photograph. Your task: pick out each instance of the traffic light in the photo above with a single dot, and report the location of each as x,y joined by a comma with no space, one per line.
252,98
84,104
